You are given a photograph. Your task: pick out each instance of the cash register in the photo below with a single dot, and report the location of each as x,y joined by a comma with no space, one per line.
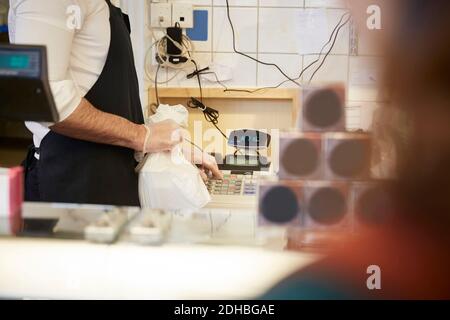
241,170
24,87
25,90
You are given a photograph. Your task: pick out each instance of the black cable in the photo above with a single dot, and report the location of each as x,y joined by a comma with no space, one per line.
197,73
226,89
206,71
329,51
321,50
211,115
312,63
250,57
315,61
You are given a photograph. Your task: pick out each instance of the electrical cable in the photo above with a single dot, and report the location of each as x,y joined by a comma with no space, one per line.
186,47
163,59
338,26
147,72
156,85
250,57
211,115
197,72
329,51
321,50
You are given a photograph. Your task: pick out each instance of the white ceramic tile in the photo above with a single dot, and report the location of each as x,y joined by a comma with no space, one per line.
236,3
194,2
203,60
269,76
279,43
205,45
245,26
343,41
359,93
281,3
277,30
331,19
365,71
244,69
365,79
335,69
325,4
360,114
201,2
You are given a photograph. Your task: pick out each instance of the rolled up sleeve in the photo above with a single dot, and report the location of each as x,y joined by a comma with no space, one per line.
45,22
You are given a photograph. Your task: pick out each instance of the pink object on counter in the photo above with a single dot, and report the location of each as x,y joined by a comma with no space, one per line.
12,211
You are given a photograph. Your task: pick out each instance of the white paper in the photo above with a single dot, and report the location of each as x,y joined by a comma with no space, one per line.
364,72
222,72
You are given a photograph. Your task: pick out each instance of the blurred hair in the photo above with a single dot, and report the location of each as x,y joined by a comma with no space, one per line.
417,77
419,50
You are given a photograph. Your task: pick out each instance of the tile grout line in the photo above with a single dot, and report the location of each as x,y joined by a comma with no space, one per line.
257,43
302,55
212,33
258,7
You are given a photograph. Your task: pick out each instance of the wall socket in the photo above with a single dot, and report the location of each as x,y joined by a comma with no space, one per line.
183,13
161,15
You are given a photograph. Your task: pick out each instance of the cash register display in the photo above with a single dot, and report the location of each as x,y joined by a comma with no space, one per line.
249,139
20,63
24,86
242,160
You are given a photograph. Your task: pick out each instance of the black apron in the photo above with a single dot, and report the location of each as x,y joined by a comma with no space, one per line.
75,171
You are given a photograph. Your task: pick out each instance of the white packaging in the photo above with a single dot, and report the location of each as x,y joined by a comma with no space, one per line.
167,180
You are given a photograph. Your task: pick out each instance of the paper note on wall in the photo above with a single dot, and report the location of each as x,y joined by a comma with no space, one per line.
218,72
364,74
312,30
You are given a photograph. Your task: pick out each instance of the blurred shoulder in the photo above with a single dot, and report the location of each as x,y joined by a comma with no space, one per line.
86,7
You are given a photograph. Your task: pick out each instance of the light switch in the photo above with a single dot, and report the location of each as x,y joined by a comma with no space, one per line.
161,15
183,13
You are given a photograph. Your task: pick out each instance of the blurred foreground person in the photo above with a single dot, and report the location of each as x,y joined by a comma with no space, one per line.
412,250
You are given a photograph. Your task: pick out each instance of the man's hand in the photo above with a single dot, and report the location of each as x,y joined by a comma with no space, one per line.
90,124
207,161
162,136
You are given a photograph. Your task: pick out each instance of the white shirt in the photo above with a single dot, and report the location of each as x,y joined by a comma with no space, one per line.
76,56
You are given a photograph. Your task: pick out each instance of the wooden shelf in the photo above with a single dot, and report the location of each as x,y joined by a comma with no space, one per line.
290,95
218,93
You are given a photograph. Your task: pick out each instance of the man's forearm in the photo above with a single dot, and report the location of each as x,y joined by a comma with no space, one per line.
90,124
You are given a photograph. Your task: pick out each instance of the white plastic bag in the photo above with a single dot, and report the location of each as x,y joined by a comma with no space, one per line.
167,180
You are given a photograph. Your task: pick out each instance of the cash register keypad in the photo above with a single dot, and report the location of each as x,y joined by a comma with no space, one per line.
234,184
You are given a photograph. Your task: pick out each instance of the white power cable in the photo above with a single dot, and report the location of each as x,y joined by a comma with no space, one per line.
186,47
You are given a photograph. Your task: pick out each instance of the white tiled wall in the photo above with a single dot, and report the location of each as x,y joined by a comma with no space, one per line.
268,30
